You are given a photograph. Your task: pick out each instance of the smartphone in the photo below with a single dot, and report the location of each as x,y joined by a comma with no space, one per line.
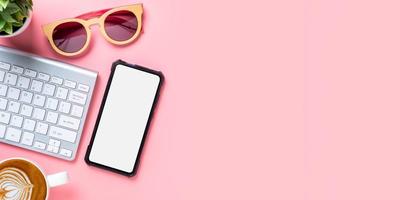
124,118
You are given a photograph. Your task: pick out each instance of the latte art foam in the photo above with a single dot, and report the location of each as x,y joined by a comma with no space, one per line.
14,184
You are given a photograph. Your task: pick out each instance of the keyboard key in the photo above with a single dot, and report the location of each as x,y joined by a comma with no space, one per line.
29,124
69,122
17,69
83,88
39,100
39,145
50,148
36,86
2,74
13,106
77,111
38,113
3,89
77,97
64,107
43,76
53,149
62,134
56,80
13,134
13,93
52,117
30,73
3,103
16,121
26,110
49,89
5,66
41,128
70,84
2,130
62,93
27,138
23,82
66,153
51,103
10,79
4,117
54,142
26,96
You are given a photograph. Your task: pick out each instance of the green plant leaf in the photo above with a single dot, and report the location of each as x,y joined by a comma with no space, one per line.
2,23
8,28
29,4
3,3
7,17
24,11
18,16
25,5
17,24
12,8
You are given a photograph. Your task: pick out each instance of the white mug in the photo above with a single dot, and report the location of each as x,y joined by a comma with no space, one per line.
52,180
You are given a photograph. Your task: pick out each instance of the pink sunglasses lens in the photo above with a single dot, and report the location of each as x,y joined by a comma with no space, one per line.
70,37
121,25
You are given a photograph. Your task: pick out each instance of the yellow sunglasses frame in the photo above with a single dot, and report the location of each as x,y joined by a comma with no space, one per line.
136,9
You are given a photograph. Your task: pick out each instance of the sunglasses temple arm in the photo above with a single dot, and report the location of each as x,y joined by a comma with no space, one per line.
90,15
143,18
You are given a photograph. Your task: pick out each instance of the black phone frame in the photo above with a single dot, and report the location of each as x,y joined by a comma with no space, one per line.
137,161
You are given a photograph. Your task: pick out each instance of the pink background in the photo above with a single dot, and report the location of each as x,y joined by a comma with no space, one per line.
262,100
352,99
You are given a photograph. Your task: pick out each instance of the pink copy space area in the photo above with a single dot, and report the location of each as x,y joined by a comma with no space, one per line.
353,108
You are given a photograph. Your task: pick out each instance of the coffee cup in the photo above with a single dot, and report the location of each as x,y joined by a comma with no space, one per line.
22,179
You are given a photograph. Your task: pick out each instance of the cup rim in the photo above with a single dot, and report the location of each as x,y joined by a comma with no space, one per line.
36,165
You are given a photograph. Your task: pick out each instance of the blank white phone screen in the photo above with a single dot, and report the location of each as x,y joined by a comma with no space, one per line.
124,118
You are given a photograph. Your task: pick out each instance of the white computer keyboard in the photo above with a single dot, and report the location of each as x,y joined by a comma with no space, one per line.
43,103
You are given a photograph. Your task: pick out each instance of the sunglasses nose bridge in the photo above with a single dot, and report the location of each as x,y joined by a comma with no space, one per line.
92,21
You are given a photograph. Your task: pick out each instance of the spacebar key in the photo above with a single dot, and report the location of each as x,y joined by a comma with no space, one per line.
62,134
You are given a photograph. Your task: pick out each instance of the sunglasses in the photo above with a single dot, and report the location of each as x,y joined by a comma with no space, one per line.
120,26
